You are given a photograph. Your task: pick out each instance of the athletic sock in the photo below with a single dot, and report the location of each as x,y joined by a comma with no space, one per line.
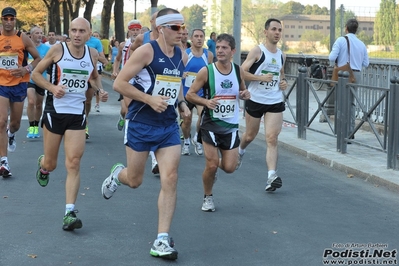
69,208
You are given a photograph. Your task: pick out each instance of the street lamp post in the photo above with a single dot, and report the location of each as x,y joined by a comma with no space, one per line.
135,5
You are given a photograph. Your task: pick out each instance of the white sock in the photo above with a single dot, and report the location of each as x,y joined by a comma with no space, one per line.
69,208
161,235
241,151
10,134
270,173
196,137
4,158
187,141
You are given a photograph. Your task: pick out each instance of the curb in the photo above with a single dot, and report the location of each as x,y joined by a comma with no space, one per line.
349,170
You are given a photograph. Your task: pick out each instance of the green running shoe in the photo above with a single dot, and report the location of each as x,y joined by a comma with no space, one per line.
71,222
121,123
42,176
36,133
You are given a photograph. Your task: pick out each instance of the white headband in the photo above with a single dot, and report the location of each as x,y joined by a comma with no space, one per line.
168,18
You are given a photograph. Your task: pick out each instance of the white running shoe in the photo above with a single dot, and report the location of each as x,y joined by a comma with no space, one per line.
163,248
208,205
197,147
185,150
5,169
12,143
273,183
110,185
240,156
154,167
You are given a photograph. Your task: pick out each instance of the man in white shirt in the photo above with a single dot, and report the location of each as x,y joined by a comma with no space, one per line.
358,58
51,39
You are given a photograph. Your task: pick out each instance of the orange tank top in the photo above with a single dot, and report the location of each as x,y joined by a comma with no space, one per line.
12,55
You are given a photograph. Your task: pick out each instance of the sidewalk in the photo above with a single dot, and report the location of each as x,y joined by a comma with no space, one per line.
359,161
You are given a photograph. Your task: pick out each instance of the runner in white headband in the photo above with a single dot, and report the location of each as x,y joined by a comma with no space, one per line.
169,18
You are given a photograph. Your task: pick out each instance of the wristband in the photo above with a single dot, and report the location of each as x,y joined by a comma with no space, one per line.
180,102
28,69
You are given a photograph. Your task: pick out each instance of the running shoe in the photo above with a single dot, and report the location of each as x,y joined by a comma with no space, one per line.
97,107
31,133
71,222
5,169
185,150
216,176
273,183
208,205
12,143
197,147
87,132
154,167
36,133
121,123
110,184
163,248
240,156
42,177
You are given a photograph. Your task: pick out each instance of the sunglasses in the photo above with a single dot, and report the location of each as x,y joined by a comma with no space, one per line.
174,26
8,18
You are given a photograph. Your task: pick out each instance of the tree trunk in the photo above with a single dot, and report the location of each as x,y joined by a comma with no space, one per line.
106,18
73,6
89,9
65,13
119,23
54,22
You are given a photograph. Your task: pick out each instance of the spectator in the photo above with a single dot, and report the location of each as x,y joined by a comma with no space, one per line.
211,43
105,43
114,51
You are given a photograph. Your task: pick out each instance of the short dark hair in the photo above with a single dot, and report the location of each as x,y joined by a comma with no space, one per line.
352,25
166,11
270,20
228,38
192,32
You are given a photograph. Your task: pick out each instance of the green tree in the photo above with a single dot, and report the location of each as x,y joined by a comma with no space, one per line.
310,40
193,17
29,13
340,23
256,14
367,39
292,7
385,25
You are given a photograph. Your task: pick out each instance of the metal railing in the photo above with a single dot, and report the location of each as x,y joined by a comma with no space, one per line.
377,105
338,123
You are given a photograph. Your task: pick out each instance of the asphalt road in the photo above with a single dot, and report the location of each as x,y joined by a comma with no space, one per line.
317,210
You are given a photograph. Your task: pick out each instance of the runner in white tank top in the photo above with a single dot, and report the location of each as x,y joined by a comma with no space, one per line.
264,68
72,65
223,86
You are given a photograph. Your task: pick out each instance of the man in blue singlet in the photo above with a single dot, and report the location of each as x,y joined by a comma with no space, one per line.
198,57
151,120
141,39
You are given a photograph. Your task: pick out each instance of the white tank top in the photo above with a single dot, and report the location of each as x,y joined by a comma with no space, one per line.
74,73
267,92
